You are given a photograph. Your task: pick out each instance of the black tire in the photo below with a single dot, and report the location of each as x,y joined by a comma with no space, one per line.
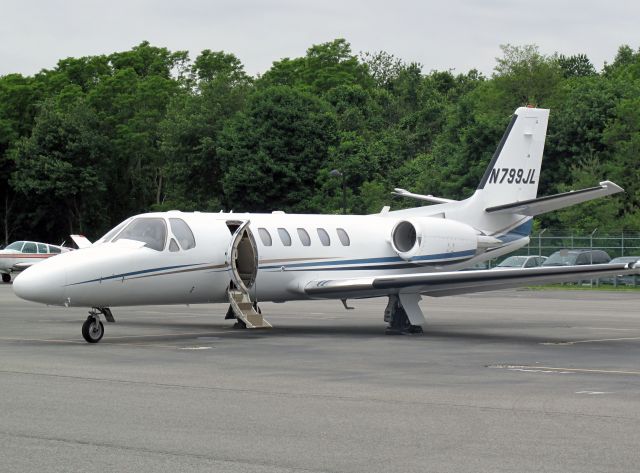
91,331
6,277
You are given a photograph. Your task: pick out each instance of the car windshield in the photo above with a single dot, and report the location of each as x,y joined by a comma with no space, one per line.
625,259
561,258
16,245
513,262
151,231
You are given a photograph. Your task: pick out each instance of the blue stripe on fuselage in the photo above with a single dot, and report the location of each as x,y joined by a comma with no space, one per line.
386,259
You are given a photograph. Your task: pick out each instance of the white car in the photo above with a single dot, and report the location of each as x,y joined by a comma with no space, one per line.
521,262
20,255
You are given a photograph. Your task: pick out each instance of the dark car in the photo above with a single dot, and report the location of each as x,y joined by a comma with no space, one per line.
577,257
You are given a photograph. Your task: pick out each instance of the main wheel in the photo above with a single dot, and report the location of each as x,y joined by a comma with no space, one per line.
6,277
92,330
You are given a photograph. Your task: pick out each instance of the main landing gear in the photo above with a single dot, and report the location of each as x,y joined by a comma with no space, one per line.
92,328
403,315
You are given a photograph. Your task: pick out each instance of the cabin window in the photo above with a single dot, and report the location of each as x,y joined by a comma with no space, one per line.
324,237
285,238
265,237
343,236
305,239
151,231
16,245
29,248
42,248
54,249
183,233
173,246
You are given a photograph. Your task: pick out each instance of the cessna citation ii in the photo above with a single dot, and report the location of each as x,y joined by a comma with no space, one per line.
188,258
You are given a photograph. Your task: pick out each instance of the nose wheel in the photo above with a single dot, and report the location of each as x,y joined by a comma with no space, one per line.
92,329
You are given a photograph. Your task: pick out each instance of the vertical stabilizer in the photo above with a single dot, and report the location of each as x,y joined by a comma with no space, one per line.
514,172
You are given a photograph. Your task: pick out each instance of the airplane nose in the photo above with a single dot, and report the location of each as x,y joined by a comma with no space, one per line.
40,284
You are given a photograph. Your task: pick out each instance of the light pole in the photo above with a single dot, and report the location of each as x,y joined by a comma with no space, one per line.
338,173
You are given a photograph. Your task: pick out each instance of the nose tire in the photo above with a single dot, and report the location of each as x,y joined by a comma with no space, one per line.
92,329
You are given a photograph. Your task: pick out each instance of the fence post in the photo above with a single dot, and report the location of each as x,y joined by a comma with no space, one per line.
591,253
540,241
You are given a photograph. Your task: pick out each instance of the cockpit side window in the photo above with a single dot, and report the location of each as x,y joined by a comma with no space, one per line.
29,247
183,233
42,248
151,231
54,249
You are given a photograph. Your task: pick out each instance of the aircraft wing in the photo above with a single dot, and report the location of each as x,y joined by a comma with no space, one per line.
23,266
461,282
558,201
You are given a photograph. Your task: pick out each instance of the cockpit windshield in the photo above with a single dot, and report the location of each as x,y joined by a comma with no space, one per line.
151,231
16,245
113,232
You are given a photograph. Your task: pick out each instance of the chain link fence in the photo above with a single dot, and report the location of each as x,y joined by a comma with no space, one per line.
548,241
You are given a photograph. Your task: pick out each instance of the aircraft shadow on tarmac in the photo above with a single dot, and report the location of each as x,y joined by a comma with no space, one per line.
477,333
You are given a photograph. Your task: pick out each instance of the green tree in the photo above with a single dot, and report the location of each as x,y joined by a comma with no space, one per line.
58,166
273,151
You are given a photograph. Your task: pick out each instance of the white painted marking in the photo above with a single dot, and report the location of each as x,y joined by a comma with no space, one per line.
599,340
528,370
196,348
49,340
614,329
562,370
594,392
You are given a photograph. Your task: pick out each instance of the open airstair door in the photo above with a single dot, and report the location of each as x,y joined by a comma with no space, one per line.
242,257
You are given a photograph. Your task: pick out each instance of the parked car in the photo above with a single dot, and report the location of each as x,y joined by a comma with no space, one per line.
521,262
577,257
630,280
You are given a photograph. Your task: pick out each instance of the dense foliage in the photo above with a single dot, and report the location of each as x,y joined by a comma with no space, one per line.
99,138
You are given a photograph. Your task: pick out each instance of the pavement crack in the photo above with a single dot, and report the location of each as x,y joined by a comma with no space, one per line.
109,445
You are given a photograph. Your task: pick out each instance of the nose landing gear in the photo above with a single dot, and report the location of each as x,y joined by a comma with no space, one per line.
92,328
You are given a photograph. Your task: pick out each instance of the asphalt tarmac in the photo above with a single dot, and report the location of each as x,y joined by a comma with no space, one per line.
513,381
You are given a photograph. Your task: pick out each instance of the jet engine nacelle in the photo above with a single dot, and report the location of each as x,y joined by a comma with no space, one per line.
434,239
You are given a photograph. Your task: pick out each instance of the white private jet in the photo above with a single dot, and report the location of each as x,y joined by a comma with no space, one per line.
188,258
19,255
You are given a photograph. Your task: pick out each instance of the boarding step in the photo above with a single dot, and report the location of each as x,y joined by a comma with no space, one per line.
244,310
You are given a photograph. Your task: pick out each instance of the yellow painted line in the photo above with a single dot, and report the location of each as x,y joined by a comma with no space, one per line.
565,370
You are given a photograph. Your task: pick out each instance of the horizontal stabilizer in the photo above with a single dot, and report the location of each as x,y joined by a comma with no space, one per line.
429,198
81,240
554,202
463,282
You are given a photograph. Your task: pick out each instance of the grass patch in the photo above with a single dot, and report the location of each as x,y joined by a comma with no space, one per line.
576,287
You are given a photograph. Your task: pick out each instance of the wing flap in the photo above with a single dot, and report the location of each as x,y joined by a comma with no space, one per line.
463,282
554,202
